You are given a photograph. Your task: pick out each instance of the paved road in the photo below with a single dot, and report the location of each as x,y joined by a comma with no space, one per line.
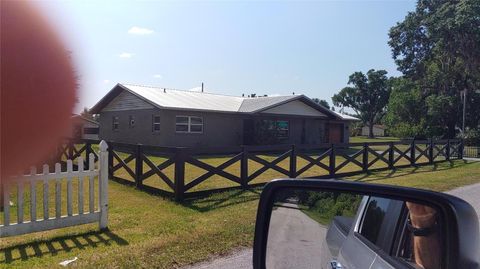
294,239
242,259
471,194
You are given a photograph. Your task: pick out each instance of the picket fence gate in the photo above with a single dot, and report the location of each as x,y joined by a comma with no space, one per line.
16,187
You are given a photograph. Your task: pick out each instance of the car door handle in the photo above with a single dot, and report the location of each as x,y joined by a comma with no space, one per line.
336,265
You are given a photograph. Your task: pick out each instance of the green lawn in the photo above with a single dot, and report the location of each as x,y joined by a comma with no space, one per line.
364,139
150,231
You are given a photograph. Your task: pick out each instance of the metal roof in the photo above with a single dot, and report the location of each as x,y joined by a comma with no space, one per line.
194,100
346,117
170,98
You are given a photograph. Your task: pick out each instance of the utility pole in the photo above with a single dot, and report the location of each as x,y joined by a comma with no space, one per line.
464,110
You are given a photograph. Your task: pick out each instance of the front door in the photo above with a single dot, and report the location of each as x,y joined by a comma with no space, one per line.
335,133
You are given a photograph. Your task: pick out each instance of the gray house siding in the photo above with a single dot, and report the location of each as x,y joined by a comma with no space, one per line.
307,124
219,129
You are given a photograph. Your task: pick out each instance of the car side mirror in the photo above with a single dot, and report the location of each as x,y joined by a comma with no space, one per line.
341,224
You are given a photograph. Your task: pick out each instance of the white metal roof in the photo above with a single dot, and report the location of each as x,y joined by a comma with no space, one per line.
170,98
194,100
346,117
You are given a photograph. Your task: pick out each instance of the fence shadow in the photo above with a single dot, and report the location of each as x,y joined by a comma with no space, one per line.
221,200
375,176
60,244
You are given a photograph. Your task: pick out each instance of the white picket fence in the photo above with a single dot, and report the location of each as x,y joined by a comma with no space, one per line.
74,216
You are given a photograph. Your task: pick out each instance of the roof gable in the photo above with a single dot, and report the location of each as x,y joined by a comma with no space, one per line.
127,101
295,107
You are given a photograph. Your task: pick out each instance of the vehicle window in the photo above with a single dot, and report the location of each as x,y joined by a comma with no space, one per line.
374,217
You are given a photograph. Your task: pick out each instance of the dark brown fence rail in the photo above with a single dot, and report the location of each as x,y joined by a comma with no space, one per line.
185,172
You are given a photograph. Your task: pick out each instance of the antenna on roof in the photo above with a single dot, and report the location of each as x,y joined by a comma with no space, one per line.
243,95
293,93
164,90
202,86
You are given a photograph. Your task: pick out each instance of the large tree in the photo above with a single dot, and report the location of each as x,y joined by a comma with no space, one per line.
367,96
437,47
406,116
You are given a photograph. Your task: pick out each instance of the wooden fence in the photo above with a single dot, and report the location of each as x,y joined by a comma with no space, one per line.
61,183
170,167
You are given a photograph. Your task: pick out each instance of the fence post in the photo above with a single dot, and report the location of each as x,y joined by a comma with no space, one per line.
293,162
88,150
244,168
430,151
460,149
365,157
70,149
412,152
103,184
391,155
447,150
332,161
138,166
110,161
179,174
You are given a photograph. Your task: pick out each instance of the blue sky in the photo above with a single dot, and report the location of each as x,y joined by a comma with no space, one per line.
233,47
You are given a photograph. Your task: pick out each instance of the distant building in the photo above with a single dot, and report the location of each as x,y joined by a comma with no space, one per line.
378,130
85,128
167,117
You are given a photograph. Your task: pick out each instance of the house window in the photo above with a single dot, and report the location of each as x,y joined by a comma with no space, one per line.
115,123
277,128
282,128
131,121
156,123
189,124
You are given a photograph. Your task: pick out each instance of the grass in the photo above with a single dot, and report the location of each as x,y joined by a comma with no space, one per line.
148,231
364,139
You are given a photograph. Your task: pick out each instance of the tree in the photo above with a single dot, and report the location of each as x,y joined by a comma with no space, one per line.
407,112
438,47
368,96
322,102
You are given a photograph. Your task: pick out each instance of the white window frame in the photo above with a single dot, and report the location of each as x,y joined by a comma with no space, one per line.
156,123
189,124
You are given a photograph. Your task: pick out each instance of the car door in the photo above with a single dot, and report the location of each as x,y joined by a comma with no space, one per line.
372,237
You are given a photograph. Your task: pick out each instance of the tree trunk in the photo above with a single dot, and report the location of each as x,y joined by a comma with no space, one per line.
370,131
451,131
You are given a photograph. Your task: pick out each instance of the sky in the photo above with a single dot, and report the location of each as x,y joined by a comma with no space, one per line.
234,48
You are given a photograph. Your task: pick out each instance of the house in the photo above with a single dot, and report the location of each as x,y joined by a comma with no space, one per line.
168,117
83,127
378,130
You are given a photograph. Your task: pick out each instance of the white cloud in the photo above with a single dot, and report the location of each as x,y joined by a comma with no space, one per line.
158,76
125,55
106,81
135,30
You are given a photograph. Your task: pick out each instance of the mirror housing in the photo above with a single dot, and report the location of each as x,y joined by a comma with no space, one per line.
461,220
